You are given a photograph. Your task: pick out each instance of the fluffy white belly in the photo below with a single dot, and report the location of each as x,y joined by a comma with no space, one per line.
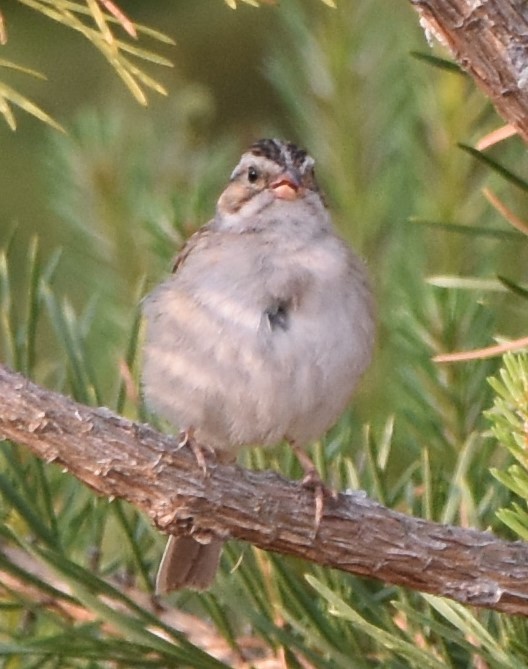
221,361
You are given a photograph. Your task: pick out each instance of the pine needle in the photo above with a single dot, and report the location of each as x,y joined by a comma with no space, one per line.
507,213
10,95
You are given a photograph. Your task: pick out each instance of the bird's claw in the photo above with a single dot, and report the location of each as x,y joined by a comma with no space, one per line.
187,439
312,481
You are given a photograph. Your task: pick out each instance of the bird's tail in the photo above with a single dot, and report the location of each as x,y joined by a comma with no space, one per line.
188,564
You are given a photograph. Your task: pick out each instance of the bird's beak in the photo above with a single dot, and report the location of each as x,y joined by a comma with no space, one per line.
286,186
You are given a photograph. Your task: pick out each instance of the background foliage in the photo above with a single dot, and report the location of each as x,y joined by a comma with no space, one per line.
89,222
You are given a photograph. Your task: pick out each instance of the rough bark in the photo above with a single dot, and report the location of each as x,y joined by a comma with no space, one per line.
489,39
119,458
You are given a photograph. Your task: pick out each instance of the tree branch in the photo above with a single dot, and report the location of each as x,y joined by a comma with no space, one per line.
119,458
489,40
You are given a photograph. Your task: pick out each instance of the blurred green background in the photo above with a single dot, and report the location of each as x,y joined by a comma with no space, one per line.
89,221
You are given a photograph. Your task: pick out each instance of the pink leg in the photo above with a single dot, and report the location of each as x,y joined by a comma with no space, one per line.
187,439
313,481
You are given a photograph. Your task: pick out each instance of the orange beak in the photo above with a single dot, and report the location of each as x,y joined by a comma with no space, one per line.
286,187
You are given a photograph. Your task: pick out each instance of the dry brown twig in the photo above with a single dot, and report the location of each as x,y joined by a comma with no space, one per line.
199,632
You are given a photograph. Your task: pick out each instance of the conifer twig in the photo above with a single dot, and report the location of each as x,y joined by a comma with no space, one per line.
488,40
119,458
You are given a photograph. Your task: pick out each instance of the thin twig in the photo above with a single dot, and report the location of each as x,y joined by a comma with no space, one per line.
483,353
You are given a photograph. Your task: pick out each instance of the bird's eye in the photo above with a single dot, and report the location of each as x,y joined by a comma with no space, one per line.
252,175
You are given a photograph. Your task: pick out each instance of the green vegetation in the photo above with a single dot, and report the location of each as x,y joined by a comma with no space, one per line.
124,187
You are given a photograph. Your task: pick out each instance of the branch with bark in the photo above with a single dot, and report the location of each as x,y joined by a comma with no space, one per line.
489,40
120,458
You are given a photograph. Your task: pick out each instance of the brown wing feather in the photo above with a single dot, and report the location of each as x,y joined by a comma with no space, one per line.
189,246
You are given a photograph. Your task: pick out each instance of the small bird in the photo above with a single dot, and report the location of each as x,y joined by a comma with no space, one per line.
262,331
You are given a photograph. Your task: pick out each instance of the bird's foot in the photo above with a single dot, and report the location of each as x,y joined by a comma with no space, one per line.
198,450
313,481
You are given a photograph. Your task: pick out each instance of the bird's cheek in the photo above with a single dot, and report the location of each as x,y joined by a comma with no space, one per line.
232,199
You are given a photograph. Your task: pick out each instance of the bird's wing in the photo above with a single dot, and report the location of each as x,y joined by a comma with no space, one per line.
190,245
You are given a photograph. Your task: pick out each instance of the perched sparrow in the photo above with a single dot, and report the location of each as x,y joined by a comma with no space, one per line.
262,331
